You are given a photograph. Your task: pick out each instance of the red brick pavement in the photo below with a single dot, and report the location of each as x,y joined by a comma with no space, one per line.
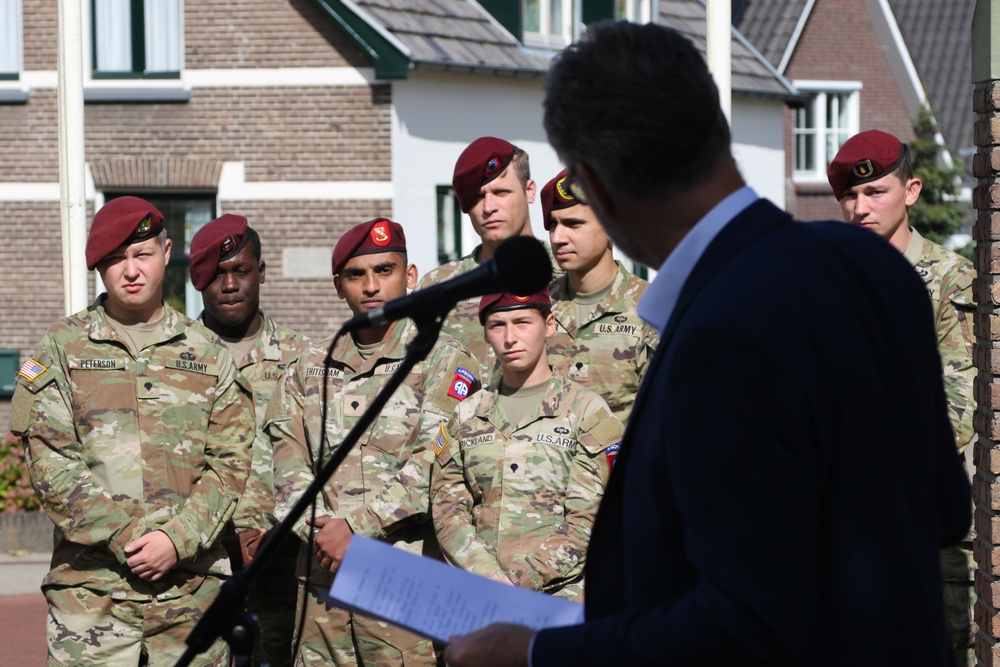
22,630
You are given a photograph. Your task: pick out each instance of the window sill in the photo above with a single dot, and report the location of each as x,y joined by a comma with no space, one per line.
136,91
812,187
13,92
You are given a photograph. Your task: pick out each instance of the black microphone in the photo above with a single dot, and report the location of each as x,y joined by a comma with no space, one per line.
520,265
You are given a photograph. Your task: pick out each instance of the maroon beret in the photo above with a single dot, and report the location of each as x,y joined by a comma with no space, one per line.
378,235
491,303
556,195
865,157
481,161
214,243
123,220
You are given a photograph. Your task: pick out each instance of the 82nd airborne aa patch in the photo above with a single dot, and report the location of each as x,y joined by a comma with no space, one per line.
462,384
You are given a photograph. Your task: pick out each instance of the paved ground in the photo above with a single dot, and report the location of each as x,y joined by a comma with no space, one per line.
22,609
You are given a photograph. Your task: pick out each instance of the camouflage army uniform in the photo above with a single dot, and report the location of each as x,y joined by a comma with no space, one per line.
463,321
273,598
609,352
381,488
520,501
948,277
120,443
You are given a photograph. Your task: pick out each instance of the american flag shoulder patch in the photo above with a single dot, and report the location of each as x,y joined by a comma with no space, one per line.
31,369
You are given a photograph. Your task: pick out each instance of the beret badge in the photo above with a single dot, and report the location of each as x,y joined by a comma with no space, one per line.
380,233
863,168
228,245
522,299
144,225
492,165
562,189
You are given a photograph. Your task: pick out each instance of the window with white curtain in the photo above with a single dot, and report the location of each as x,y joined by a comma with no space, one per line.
10,39
637,11
137,38
550,23
828,119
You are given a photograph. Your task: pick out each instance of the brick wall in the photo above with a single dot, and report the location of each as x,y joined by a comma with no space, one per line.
306,133
309,306
839,44
221,34
986,483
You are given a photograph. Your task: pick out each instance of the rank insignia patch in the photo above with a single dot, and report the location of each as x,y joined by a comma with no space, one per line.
31,369
462,384
440,441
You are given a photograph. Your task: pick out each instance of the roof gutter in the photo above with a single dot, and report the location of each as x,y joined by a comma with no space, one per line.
389,57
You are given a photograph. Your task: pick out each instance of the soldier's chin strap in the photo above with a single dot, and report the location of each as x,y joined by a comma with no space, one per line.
225,618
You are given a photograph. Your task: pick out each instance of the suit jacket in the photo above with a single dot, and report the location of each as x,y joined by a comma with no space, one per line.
789,473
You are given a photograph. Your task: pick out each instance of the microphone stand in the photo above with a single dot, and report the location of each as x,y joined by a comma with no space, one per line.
225,617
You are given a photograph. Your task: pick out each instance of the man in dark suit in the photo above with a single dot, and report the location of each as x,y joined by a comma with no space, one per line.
788,474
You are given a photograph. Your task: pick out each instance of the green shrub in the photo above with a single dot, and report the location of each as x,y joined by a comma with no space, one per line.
16,494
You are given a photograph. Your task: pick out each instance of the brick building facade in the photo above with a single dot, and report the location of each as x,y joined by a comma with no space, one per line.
324,138
825,53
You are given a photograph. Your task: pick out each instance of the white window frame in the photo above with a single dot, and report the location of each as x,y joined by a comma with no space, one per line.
121,22
820,91
107,87
553,37
11,42
646,11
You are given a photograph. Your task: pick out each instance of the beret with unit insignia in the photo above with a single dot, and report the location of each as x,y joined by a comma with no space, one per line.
482,161
865,157
219,240
122,221
492,303
556,195
378,235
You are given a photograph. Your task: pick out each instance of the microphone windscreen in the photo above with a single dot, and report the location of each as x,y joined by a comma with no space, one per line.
523,265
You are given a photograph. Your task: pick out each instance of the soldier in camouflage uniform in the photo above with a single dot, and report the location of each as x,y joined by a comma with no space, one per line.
137,434
226,267
381,489
521,466
492,181
872,178
600,340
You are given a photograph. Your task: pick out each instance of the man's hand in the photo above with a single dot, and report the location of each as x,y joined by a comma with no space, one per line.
250,541
497,645
152,555
330,541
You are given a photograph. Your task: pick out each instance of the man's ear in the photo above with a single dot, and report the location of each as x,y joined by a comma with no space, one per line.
411,276
260,269
913,188
530,190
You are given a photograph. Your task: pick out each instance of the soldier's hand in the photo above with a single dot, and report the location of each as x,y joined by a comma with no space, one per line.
250,541
330,541
151,556
497,645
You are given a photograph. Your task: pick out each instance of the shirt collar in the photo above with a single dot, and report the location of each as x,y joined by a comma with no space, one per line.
657,304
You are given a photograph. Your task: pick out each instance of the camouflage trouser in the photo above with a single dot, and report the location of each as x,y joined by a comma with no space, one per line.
272,601
89,629
332,636
957,601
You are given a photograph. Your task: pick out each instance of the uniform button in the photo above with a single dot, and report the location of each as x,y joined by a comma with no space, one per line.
513,467
149,385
